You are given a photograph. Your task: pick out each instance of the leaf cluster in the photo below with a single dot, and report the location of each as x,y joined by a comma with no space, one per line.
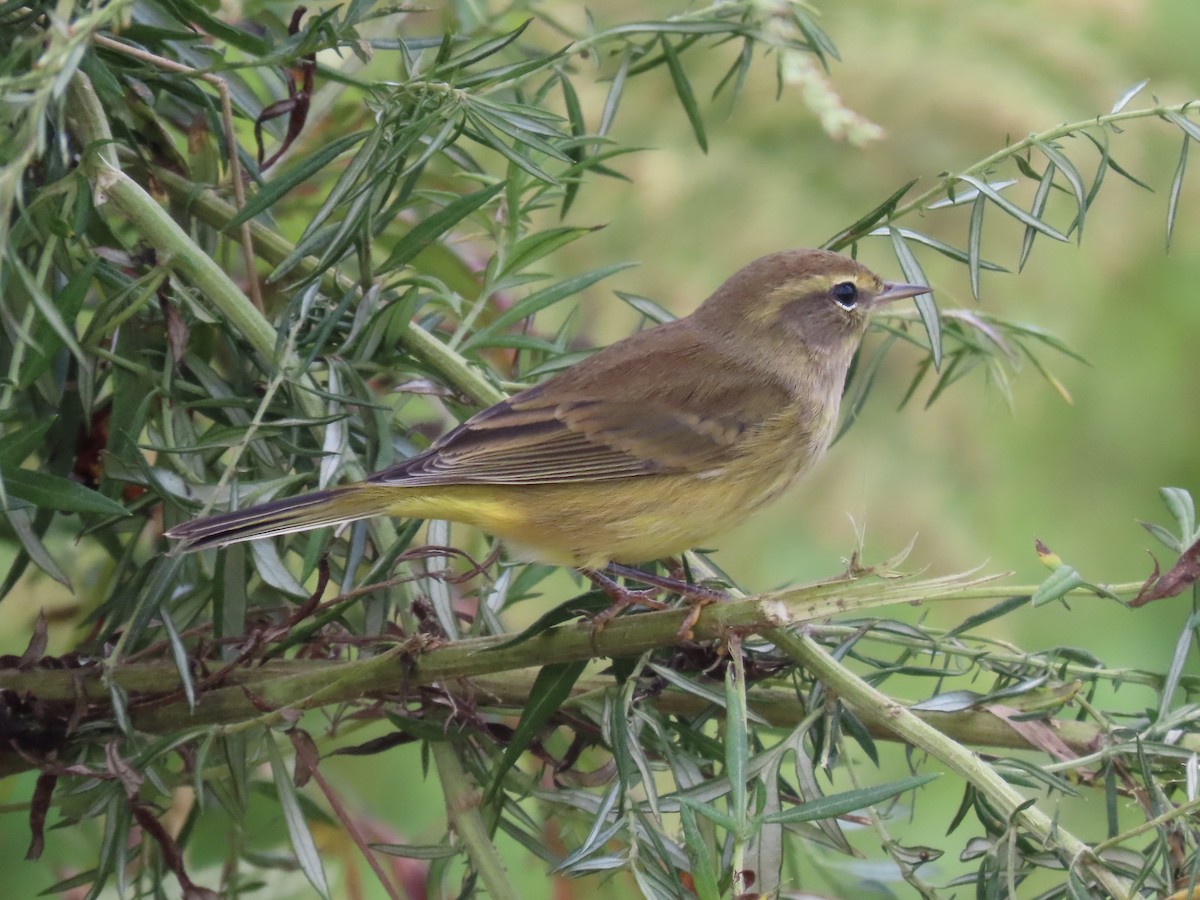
189,325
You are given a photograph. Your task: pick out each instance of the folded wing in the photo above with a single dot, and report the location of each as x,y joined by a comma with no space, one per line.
616,415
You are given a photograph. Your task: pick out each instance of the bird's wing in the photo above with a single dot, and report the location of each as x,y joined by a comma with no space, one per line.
616,415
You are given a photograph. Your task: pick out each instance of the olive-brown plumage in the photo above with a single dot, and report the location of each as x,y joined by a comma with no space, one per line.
645,448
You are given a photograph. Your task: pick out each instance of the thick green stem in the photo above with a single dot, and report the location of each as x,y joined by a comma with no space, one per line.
462,809
861,697
157,703
273,248
173,246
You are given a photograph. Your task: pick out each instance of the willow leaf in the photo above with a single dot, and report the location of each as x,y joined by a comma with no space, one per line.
974,242
1176,187
1056,156
1037,208
926,305
683,89
1129,95
1012,209
434,226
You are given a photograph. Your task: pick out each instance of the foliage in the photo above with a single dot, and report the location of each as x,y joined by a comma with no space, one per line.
172,346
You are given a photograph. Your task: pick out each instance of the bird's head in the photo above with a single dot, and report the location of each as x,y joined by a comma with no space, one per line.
816,298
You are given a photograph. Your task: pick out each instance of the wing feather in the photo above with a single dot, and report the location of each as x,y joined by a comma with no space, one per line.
612,416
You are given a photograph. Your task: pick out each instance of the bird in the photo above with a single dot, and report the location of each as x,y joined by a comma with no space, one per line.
642,450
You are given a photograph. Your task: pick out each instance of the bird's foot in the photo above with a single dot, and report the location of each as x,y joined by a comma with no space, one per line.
622,598
697,595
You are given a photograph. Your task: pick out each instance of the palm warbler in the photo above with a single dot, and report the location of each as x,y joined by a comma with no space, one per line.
642,450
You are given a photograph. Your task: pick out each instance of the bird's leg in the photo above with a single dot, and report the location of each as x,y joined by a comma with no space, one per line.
622,598
697,595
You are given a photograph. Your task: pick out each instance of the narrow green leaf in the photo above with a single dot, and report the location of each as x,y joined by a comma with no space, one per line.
711,813
961,198
1179,502
272,571
1012,209
1094,190
974,242
683,89
849,801
533,247
995,611
180,654
53,492
701,856
550,689
1129,95
1026,168
349,184
622,741
856,729
575,118
926,305
922,369
602,830
692,686
492,78
677,26
647,307
1165,537
297,826
1183,645
1190,128
506,123
17,445
818,41
539,300
737,744
305,169
418,851
615,91
1040,198
1061,581
736,73
46,341
485,136
1056,156
954,370
948,250
577,152
1176,188
1112,163
49,310
434,226
26,528
950,701
482,51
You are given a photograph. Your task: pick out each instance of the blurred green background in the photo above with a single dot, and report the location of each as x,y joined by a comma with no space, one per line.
978,481
951,82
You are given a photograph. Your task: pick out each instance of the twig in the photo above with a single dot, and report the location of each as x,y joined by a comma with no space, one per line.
231,145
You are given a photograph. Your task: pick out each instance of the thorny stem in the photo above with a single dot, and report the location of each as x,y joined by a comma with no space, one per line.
944,185
859,695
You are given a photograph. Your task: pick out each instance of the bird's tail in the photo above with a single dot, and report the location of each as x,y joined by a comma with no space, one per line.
302,513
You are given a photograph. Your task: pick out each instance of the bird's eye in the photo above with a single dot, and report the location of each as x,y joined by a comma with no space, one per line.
845,294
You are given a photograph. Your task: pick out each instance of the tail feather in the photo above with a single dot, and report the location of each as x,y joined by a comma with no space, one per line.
315,510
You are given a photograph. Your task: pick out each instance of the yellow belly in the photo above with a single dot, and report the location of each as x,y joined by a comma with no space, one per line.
589,524
627,520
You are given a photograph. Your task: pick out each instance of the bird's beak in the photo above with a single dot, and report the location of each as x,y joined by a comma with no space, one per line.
892,291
